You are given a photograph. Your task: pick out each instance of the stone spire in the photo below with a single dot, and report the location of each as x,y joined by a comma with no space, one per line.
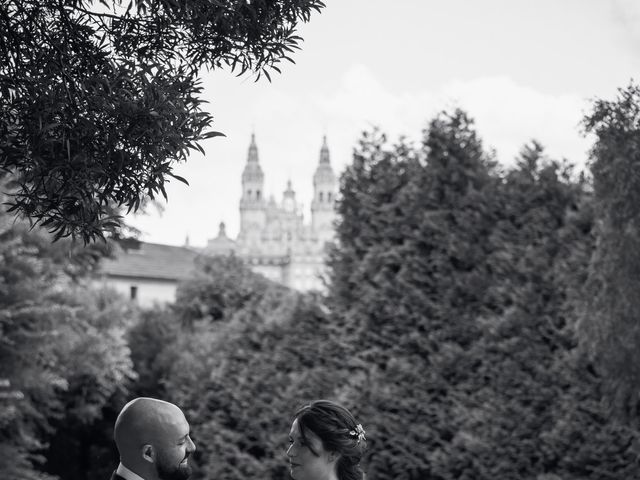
222,230
324,175
221,245
252,203
324,152
253,150
289,198
325,187
252,171
289,192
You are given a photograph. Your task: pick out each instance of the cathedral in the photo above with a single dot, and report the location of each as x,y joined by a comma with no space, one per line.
273,238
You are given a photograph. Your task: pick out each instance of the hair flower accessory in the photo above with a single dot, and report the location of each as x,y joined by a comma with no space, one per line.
358,432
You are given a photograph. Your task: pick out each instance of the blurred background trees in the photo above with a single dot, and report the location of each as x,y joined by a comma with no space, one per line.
478,320
62,344
610,329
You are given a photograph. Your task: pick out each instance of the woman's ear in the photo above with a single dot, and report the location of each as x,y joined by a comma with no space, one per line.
333,456
149,453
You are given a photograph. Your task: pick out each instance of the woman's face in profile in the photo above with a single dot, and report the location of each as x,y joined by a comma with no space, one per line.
308,459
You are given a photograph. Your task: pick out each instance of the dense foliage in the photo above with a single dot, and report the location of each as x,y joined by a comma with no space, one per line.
611,328
251,351
62,345
99,100
450,326
468,324
463,281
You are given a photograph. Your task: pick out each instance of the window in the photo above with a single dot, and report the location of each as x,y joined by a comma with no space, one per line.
328,196
258,194
249,193
133,292
321,196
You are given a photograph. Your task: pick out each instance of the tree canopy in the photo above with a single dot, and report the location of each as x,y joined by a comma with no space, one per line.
475,320
449,327
48,321
99,100
610,327
459,284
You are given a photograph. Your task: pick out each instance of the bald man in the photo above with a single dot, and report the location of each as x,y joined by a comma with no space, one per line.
153,440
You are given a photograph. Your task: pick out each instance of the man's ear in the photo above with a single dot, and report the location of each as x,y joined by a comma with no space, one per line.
149,453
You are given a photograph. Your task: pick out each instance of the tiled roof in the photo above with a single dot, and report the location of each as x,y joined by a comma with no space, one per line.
151,260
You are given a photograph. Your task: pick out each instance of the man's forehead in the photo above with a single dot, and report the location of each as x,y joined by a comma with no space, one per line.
171,432
175,419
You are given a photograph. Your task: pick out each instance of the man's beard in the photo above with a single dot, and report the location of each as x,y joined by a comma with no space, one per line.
165,471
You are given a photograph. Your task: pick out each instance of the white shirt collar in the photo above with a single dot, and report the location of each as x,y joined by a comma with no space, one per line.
127,474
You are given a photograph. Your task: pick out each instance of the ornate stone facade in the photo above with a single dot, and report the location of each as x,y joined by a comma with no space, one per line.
273,238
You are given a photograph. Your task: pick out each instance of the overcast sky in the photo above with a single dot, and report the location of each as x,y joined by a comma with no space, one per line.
521,69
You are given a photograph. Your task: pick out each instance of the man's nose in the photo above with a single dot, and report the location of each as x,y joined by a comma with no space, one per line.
192,446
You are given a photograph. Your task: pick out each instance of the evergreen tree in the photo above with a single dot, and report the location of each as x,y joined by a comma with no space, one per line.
610,327
415,284
459,284
528,376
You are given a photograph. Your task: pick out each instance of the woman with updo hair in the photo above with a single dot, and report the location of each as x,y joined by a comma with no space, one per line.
325,443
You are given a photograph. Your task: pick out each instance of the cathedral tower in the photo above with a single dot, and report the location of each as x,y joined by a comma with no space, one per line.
252,203
289,199
324,196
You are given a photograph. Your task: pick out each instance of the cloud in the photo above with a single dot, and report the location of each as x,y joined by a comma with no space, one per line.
627,14
507,114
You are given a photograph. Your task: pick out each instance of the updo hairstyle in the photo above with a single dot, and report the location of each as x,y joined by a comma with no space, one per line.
339,432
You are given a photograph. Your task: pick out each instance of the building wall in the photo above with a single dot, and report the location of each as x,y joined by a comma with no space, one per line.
148,291
305,274
272,272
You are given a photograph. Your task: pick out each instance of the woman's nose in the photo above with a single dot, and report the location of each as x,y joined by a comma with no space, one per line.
289,451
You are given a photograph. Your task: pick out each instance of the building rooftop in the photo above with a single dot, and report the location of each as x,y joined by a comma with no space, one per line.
151,260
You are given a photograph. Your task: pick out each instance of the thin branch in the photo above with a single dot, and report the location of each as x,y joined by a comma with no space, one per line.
125,17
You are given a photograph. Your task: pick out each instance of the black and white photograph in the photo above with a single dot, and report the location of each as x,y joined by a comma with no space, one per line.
319,240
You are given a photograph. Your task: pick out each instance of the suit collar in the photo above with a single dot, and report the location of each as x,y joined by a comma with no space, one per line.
123,473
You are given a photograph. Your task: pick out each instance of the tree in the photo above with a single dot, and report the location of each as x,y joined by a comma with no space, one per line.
527,374
449,326
48,322
408,279
611,314
248,353
99,374
220,287
99,100
457,284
